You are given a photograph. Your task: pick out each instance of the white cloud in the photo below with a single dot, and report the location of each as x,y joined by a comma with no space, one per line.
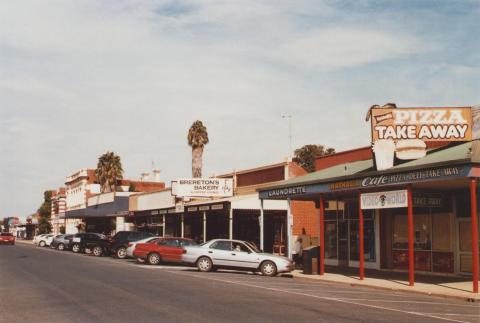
80,77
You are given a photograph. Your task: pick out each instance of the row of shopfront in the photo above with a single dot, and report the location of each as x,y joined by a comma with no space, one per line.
419,216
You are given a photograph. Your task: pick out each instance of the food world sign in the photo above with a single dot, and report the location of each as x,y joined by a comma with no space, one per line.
384,200
204,187
427,124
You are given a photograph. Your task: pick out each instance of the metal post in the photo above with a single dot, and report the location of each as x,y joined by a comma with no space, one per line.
261,225
321,210
411,246
360,238
182,226
473,207
164,225
289,229
204,226
230,223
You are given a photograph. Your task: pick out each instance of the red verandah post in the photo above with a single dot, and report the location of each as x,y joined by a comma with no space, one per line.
411,254
473,207
360,238
322,236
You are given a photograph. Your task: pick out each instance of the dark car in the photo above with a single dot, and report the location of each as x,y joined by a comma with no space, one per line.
62,242
84,241
119,242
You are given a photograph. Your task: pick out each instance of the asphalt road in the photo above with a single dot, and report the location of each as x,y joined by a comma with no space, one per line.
44,285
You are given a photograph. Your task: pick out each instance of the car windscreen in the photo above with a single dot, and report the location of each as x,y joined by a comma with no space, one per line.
253,246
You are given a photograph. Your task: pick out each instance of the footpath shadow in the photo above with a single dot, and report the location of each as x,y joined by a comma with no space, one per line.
401,278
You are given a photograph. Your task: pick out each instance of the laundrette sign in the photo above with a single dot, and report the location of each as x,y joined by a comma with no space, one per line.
384,200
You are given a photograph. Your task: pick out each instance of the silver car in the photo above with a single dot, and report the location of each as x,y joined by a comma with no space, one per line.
234,254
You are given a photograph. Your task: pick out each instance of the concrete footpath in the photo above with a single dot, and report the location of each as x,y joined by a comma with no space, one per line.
451,287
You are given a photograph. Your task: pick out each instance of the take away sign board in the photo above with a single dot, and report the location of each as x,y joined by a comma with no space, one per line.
204,187
427,124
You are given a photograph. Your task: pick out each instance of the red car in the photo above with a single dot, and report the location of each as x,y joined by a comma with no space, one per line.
162,250
7,238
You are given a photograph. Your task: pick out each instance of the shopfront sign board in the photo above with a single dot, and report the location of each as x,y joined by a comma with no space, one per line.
427,124
204,187
384,200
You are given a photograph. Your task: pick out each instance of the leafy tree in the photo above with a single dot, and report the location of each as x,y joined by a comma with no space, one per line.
197,139
44,213
62,229
109,170
306,155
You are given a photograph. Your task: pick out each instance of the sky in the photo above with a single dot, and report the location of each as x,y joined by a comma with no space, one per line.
79,78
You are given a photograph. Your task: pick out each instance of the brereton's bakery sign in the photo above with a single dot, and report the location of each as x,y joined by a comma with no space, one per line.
427,124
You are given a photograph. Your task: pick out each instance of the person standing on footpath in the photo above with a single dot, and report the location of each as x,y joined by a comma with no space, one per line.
297,253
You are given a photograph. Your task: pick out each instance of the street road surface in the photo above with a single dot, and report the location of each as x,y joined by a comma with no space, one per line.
44,285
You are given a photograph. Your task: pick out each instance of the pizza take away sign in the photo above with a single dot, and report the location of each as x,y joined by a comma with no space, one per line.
427,124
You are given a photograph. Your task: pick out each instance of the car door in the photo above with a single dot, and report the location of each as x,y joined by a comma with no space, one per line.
169,248
243,256
221,253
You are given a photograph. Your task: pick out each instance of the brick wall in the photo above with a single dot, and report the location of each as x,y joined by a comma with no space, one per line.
305,216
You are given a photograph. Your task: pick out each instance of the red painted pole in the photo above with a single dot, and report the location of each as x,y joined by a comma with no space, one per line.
473,207
322,237
360,237
411,246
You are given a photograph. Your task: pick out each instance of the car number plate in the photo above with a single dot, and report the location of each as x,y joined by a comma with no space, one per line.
76,239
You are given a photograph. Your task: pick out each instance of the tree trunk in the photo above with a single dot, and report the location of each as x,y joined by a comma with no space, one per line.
197,153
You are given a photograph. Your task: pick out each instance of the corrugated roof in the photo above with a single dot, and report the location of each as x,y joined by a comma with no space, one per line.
435,156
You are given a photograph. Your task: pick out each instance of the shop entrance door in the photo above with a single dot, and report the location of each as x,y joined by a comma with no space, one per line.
343,242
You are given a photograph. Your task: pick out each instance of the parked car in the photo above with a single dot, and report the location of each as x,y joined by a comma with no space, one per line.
45,240
132,245
62,242
7,238
84,242
162,250
119,243
37,238
234,254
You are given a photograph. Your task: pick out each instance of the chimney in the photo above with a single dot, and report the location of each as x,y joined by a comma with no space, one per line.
156,175
144,177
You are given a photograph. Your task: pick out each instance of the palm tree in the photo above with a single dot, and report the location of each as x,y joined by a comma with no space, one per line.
109,170
197,139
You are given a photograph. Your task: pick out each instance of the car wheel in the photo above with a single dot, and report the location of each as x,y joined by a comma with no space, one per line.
76,248
97,251
121,253
153,259
140,260
61,247
204,264
268,268
42,244
88,251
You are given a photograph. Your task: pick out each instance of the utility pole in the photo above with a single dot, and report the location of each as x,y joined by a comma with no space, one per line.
289,134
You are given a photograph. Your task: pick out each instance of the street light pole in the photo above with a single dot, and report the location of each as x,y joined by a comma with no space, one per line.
289,133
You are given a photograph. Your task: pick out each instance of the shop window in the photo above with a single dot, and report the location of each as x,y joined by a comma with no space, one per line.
465,235
422,231
400,232
368,240
442,232
330,240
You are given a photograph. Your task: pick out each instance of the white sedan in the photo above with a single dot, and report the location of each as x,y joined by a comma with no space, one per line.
45,240
234,254
131,245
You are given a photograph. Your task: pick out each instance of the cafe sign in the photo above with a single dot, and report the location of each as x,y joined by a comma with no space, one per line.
426,124
384,200
204,187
